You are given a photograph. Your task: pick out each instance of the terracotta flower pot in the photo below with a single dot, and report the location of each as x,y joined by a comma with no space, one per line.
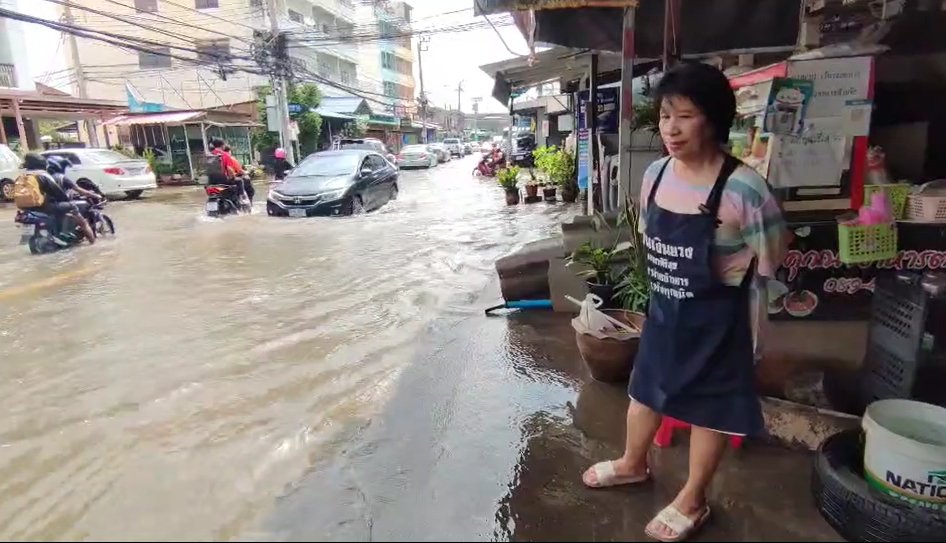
532,190
549,193
609,359
569,195
512,197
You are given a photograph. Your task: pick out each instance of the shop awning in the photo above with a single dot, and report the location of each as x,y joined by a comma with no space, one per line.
705,27
327,114
169,117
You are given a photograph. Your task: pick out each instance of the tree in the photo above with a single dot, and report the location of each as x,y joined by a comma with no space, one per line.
356,128
310,123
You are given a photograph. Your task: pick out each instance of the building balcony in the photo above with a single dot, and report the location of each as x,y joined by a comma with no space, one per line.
7,75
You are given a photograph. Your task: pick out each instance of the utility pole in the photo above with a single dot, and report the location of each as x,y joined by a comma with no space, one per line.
476,110
459,109
280,85
80,75
422,45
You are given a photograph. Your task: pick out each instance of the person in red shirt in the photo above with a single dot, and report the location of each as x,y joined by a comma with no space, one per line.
232,167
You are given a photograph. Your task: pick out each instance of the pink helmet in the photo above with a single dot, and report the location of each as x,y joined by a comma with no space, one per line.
280,153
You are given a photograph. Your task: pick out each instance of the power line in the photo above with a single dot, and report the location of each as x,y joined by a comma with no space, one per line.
208,14
181,23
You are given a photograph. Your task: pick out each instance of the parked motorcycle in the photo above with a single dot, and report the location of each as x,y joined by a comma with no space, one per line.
489,165
226,200
36,226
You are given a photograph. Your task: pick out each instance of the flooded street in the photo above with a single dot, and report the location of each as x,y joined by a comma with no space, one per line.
176,381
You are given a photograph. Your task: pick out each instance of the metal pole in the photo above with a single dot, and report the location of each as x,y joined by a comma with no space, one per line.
591,114
421,47
280,86
512,122
3,130
187,147
21,128
80,74
627,106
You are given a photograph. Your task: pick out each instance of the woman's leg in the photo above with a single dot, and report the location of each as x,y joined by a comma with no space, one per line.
706,451
642,424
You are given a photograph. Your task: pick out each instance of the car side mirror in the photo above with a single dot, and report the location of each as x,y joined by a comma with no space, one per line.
365,172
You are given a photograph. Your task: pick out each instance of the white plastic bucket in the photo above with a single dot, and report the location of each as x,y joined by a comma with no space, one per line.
905,451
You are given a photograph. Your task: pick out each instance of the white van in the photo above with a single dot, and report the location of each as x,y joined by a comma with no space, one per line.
9,170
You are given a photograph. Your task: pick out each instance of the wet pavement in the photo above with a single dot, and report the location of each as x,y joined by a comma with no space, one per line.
266,379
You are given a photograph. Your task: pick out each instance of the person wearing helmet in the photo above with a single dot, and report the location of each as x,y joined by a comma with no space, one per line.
56,167
281,166
56,201
232,167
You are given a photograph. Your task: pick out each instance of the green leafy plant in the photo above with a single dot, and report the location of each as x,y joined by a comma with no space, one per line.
309,122
633,288
356,128
557,164
151,158
598,263
508,178
130,153
163,168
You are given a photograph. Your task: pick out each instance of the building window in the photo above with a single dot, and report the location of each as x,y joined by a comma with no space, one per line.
296,17
206,4
213,51
348,78
146,6
158,58
325,69
390,89
387,29
387,60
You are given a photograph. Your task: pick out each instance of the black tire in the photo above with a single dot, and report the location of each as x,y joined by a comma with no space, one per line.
40,245
133,194
357,206
394,192
104,226
6,190
858,512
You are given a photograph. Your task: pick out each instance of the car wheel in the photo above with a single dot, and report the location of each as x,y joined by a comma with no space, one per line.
394,192
855,510
357,205
133,194
6,190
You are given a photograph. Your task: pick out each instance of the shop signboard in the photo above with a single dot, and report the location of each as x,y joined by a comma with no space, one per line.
584,158
814,284
607,108
787,102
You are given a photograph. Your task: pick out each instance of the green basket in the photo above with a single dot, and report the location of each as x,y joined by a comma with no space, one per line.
897,192
872,243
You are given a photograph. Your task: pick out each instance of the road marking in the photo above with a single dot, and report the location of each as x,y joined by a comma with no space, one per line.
45,283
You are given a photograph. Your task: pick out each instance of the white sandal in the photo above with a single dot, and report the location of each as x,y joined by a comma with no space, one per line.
681,525
606,476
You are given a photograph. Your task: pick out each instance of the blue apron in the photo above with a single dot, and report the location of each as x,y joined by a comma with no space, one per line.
695,362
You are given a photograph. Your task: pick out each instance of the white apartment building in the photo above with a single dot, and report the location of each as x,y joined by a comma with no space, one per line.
218,29
14,62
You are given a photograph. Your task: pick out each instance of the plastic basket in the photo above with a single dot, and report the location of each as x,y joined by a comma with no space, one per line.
928,204
868,243
898,194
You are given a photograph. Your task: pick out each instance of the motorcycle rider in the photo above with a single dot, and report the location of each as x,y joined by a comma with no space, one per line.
56,201
56,167
233,170
281,165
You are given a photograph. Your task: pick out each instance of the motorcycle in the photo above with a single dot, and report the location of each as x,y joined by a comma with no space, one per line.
226,200
489,165
36,228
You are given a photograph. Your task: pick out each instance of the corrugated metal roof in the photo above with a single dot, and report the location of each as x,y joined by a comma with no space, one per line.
168,117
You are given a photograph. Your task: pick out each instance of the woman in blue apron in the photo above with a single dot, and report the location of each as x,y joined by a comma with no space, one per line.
707,221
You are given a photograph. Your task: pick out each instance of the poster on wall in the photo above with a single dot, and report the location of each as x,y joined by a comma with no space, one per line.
816,158
584,156
606,108
786,105
836,81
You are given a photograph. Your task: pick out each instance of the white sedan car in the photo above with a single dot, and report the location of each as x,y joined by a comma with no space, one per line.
111,171
417,156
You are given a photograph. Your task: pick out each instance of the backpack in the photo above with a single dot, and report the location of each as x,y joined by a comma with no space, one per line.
215,171
27,193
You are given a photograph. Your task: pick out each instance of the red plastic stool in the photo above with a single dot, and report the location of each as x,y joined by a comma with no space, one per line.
664,434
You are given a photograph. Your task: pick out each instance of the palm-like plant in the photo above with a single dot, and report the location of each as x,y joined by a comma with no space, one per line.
633,287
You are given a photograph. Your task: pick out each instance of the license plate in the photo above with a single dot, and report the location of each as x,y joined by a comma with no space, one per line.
211,206
297,213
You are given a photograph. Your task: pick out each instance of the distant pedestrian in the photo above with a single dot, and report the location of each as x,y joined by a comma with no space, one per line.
711,222
281,166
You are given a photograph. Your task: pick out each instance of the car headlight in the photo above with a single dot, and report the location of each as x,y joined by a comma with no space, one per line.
332,194
273,195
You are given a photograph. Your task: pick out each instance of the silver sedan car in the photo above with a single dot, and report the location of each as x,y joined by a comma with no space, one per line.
417,156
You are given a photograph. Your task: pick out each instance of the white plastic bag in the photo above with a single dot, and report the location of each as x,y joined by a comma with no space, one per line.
594,322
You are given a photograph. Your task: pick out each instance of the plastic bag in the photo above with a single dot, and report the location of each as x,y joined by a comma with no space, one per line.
594,322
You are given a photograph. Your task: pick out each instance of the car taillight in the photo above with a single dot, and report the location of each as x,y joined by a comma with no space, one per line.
213,191
400,157
114,171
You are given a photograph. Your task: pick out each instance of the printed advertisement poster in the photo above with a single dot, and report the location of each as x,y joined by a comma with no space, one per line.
786,106
814,159
836,80
607,110
584,162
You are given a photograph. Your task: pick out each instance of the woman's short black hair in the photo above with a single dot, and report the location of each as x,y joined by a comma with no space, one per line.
216,143
708,89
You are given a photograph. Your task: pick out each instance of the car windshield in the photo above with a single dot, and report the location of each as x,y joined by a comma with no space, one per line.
360,145
331,165
447,142
104,156
414,149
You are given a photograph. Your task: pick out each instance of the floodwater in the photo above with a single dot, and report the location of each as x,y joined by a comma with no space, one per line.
187,378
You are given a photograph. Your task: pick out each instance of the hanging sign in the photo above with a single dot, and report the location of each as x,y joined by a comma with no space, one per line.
836,81
606,108
584,158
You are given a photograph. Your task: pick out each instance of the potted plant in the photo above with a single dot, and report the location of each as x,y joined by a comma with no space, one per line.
565,175
598,271
532,185
508,179
633,288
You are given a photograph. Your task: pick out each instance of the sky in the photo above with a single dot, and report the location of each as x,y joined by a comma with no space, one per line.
449,59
